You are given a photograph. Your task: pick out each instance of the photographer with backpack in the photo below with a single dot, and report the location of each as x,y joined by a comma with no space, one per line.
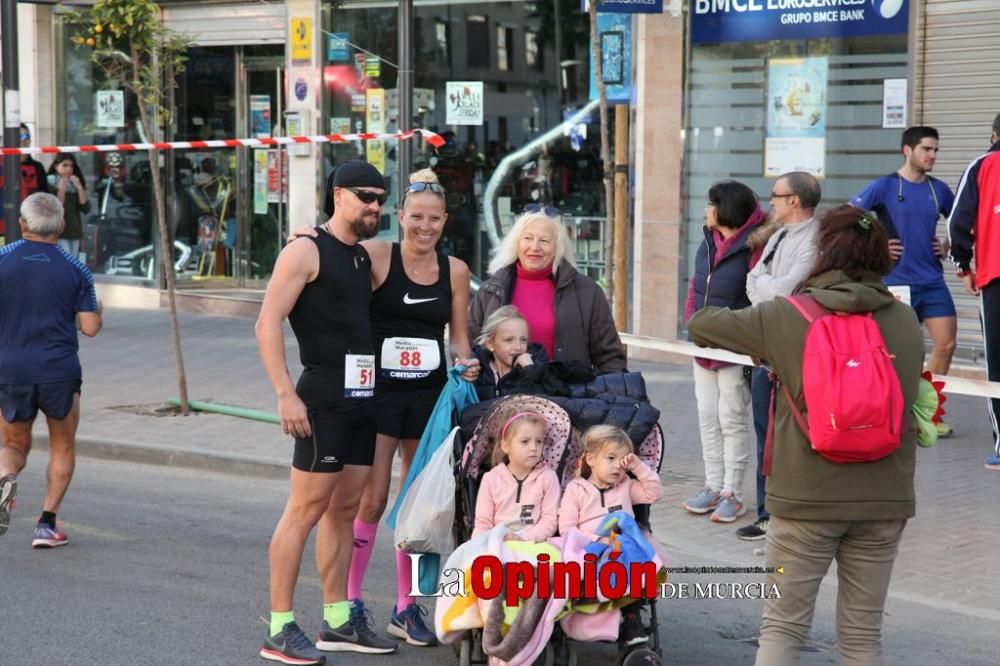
842,457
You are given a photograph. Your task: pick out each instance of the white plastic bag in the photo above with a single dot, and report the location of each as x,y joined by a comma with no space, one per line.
428,510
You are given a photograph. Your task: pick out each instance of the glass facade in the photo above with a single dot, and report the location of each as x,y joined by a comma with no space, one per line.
488,79
224,206
757,109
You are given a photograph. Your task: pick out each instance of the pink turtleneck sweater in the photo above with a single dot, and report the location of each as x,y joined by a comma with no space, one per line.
535,298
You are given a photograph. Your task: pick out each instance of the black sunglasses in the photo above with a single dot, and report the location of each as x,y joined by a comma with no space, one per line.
548,211
367,196
423,187
775,195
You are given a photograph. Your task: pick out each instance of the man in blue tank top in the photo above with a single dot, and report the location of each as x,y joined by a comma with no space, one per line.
909,203
45,294
322,285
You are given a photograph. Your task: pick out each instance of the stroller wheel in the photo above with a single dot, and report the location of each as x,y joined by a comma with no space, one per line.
465,651
642,656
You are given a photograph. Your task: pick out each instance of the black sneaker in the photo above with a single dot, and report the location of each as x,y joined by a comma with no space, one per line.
754,532
291,646
355,635
632,632
8,489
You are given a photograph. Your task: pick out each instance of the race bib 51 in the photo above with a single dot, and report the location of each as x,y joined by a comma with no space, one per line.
359,376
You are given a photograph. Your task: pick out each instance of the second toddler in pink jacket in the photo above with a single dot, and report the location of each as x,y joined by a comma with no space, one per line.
520,491
603,486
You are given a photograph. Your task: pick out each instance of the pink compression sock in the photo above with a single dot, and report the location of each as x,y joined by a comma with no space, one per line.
364,542
403,575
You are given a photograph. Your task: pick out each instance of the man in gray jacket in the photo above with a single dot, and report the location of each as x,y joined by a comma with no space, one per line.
785,262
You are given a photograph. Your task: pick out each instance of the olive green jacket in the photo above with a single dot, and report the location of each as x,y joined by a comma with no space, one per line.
804,485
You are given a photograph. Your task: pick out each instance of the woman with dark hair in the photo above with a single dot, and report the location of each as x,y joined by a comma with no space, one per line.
821,509
68,183
720,279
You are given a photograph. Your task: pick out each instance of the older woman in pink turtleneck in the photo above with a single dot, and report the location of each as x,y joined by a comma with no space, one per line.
567,313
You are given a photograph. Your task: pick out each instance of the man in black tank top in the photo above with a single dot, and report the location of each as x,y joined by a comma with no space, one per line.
323,286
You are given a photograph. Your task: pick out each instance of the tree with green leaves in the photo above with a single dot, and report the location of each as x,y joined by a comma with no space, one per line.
134,50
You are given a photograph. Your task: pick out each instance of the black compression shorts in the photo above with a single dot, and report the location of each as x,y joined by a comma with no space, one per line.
404,414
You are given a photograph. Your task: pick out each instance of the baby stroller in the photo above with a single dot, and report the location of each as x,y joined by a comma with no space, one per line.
562,451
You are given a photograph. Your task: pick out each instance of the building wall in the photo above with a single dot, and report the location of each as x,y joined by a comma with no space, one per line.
657,138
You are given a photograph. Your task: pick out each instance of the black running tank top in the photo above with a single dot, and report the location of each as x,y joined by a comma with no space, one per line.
408,320
331,319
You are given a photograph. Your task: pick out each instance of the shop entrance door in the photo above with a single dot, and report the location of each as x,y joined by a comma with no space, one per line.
263,223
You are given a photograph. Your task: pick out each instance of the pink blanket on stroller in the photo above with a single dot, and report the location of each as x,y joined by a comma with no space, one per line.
506,640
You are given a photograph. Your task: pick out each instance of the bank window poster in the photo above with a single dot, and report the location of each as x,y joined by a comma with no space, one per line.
615,35
464,100
795,138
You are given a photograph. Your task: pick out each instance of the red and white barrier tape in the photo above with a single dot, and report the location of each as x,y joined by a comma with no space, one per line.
428,136
953,385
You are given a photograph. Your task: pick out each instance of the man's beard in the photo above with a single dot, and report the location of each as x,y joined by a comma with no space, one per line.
362,229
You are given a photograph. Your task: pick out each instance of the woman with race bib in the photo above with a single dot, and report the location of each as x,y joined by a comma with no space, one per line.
416,292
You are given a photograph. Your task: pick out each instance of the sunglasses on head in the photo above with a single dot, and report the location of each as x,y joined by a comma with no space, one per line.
423,187
548,211
367,196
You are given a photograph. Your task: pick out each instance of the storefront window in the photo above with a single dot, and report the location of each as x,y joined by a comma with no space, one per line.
759,109
117,230
488,79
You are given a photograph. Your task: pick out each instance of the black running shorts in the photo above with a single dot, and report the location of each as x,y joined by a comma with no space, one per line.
343,431
404,414
21,402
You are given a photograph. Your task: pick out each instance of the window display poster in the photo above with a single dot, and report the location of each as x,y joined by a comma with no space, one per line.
340,125
273,177
260,116
110,108
337,47
260,181
894,103
373,66
301,36
796,116
464,103
375,123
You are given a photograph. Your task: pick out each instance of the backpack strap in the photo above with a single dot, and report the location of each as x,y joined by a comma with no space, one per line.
807,306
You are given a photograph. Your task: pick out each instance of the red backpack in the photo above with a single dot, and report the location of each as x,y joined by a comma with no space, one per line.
854,401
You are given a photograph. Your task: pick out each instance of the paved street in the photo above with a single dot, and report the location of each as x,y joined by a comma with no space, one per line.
167,564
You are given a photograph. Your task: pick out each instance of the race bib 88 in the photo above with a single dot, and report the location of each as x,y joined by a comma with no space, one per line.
409,358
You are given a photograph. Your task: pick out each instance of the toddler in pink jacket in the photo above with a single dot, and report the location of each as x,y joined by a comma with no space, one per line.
604,487
520,491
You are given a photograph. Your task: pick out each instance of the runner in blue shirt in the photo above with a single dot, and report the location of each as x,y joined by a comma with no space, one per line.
45,295
909,203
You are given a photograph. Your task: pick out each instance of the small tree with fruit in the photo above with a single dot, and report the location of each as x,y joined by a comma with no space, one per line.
135,51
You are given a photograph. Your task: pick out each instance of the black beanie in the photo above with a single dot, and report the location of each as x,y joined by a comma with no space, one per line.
357,173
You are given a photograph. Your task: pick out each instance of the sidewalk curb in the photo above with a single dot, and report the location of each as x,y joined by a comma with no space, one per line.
182,458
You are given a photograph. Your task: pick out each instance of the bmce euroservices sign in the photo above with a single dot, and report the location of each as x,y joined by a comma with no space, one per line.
715,21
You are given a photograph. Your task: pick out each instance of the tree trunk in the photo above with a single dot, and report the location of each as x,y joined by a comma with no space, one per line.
167,259
609,188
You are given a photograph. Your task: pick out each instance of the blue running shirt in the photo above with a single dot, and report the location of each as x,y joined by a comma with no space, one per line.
913,221
42,287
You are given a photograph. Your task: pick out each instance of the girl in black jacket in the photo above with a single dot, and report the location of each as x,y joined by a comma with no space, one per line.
503,348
